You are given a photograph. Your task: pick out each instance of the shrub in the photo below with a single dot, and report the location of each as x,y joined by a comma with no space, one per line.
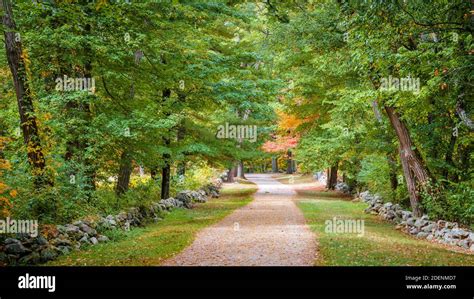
375,174
196,177
455,203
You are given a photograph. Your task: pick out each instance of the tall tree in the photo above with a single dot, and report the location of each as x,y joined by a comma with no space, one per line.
16,57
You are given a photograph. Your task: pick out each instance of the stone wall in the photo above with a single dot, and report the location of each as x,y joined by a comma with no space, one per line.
53,241
441,231
342,187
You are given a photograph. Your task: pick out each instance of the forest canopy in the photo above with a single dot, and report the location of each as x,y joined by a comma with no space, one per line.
107,104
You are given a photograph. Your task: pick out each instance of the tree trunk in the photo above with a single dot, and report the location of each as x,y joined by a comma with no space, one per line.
332,179
416,174
240,170
289,163
234,171
274,165
28,121
328,175
180,136
166,176
125,170
165,181
77,145
393,172
166,169
90,163
230,175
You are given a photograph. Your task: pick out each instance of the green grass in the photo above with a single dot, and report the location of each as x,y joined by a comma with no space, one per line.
154,243
381,243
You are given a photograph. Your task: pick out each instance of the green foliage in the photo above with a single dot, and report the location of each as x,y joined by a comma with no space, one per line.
196,177
50,206
374,173
168,73
336,55
457,204
141,194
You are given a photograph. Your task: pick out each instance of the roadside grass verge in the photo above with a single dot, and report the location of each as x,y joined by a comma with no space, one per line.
380,245
151,245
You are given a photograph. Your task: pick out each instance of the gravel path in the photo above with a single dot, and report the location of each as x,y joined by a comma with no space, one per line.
269,231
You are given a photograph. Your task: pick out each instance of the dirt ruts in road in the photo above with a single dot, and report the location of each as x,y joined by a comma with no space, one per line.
269,231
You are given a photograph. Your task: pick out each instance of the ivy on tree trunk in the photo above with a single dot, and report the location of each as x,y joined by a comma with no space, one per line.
28,121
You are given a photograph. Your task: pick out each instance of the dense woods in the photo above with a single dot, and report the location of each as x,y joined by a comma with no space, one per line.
106,104
384,93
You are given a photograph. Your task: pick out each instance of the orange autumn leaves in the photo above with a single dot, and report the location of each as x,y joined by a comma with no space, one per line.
286,136
280,144
5,192
443,85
